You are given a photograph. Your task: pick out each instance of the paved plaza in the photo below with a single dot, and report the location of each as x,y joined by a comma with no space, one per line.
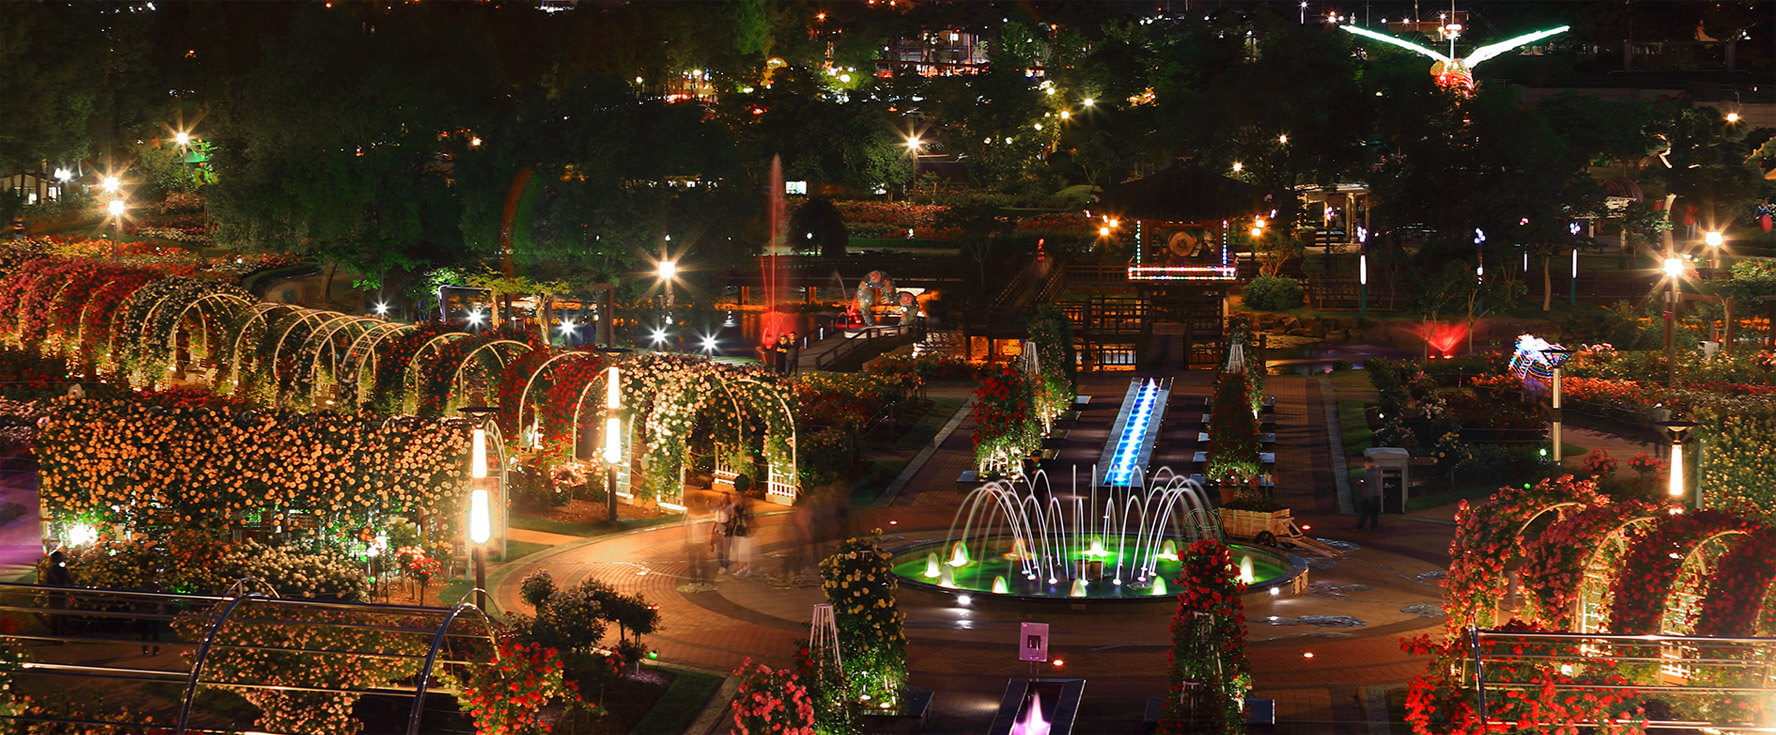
1324,656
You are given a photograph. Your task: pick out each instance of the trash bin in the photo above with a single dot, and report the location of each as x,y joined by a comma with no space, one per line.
1396,476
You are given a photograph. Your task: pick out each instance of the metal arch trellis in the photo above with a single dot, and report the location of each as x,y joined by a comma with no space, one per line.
1696,566
457,374
206,318
321,341
355,359
127,610
1593,593
530,382
277,350
410,374
236,358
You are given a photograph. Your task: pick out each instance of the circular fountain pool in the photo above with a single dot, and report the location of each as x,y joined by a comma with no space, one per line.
1022,539
1096,572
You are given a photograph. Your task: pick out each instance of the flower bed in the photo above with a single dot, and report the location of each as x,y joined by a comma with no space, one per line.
1006,429
860,583
139,463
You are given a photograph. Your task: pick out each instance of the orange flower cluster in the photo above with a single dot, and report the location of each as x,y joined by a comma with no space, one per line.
139,462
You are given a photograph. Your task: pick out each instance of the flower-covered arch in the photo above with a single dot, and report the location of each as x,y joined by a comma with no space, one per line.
1488,539
1651,576
736,398
1575,553
1747,608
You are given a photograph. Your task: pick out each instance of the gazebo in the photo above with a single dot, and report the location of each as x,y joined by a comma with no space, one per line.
1182,219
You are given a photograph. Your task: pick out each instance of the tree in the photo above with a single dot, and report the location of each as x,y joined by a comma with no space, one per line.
818,226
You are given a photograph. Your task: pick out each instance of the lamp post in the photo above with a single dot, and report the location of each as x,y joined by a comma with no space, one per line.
667,270
1556,356
913,143
613,428
1677,430
1713,238
480,503
1673,268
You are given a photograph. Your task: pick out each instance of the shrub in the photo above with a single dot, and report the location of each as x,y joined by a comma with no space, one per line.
859,581
1273,293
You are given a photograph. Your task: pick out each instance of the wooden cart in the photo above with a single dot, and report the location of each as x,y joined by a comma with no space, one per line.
1274,528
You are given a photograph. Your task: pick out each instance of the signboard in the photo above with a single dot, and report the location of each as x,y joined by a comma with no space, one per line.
1033,642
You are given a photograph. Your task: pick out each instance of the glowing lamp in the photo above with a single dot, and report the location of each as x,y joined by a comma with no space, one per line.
115,207
1673,267
181,138
1238,167
613,440
1732,117
382,309
668,269
478,453
110,184
480,517
1363,269
1088,102
1103,232
1713,238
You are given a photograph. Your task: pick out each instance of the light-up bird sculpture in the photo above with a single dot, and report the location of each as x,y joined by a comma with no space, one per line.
1457,73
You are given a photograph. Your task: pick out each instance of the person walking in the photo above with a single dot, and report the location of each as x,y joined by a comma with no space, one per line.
1369,515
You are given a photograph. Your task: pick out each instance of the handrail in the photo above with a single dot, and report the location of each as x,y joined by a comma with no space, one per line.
851,343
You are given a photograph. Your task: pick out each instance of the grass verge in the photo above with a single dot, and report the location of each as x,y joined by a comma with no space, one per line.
684,699
883,470
587,530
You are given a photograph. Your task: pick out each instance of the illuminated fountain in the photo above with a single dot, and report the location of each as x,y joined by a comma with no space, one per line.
1032,722
1132,436
1019,539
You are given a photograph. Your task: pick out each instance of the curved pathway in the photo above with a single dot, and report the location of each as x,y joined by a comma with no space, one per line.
1351,620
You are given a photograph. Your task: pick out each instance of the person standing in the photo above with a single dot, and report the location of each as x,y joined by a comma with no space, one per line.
792,355
743,545
57,574
780,352
721,533
1369,515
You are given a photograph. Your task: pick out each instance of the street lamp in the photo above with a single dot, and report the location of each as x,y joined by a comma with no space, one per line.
613,428
1713,238
1555,356
1677,429
666,270
480,502
913,144
1673,267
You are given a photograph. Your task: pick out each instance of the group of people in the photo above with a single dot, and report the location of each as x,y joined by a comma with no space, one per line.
782,354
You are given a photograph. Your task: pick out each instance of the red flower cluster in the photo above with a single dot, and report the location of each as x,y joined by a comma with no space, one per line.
507,697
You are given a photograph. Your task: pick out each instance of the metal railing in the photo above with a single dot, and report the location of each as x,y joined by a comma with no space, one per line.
83,641
850,344
1679,681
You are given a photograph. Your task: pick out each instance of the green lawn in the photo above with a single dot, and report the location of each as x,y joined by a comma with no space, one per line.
882,471
684,699
587,530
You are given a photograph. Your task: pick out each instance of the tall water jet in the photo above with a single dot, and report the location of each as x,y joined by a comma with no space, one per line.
1246,574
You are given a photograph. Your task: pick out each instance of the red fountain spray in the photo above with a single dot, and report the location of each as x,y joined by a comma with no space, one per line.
773,322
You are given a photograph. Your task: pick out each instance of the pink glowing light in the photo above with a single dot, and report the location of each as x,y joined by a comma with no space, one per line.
1443,337
1032,723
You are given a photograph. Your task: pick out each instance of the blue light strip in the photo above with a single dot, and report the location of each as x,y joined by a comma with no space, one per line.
1134,436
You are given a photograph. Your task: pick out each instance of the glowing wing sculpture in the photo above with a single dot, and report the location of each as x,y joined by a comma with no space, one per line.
1453,72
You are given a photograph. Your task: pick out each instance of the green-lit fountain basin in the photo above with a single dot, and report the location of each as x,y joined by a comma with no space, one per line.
1270,569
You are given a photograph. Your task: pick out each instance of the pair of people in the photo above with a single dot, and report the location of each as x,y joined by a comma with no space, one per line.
783,354
732,536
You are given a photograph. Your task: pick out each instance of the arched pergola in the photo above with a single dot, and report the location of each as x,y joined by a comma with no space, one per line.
680,401
362,352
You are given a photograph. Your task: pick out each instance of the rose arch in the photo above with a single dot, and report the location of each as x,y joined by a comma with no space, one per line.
733,399
1489,539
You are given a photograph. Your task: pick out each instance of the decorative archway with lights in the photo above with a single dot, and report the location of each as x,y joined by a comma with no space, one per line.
736,401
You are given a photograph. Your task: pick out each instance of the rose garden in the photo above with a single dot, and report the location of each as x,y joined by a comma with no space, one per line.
907,367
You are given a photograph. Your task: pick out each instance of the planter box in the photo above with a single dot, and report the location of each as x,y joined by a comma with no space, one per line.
914,711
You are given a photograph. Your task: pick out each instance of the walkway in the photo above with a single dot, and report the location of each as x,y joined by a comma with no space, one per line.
1357,610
